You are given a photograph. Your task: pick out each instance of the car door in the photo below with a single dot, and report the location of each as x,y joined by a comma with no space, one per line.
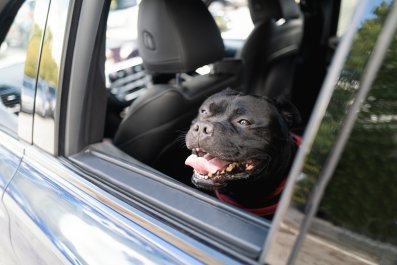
74,199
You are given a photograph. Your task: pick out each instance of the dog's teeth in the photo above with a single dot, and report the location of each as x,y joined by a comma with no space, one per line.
230,167
249,166
210,175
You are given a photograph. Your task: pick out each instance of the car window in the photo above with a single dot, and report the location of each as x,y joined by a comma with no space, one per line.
12,58
358,210
233,18
355,222
347,8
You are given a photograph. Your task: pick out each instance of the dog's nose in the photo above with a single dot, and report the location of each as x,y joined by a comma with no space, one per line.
203,127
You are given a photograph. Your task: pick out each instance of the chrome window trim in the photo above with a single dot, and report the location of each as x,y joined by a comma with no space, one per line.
319,109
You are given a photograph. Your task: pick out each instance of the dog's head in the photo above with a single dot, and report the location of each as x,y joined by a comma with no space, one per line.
237,136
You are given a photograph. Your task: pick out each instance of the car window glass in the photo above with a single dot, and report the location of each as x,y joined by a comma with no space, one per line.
357,213
355,223
233,18
347,8
12,58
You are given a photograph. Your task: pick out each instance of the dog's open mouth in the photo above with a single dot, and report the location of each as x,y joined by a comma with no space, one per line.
211,172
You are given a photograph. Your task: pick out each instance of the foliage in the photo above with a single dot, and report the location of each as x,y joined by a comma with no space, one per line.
48,68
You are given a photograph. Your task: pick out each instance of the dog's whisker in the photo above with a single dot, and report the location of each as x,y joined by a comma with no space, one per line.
180,139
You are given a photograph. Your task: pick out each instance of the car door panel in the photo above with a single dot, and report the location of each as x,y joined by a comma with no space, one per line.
54,222
9,162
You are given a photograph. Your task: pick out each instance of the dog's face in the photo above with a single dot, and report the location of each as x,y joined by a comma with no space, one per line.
236,137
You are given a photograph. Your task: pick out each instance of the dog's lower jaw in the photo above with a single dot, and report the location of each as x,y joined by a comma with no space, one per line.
244,171
206,183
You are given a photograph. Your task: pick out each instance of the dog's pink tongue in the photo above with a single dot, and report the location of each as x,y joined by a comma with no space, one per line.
206,164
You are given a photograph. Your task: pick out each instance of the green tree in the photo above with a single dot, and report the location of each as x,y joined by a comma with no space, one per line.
48,68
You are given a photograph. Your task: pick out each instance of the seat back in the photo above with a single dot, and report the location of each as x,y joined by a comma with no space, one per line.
174,37
271,49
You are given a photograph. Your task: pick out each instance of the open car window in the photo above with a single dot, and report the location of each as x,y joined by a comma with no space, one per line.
233,19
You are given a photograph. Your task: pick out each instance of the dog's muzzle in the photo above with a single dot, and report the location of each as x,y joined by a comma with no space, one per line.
213,173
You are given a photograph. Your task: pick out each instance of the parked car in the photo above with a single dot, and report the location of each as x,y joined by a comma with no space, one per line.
91,158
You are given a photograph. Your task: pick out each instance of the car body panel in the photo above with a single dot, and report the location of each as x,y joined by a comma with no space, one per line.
53,222
9,163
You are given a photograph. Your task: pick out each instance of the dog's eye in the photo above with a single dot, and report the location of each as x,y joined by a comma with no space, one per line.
203,111
244,122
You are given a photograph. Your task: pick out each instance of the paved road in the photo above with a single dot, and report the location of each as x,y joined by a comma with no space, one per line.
327,244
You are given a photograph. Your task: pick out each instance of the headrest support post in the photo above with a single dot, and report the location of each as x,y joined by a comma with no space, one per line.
178,79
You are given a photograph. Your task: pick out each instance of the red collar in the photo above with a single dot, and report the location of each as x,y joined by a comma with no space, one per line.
269,209
264,211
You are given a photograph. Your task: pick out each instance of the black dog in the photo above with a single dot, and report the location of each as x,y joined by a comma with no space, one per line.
242,148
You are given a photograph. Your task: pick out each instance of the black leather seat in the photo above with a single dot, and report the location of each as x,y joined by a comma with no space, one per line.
174,37
271,49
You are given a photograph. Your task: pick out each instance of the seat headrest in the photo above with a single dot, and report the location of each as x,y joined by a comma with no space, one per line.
264,9
176,36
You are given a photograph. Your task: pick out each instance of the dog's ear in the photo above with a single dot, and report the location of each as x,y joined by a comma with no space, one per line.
230,92
288,111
